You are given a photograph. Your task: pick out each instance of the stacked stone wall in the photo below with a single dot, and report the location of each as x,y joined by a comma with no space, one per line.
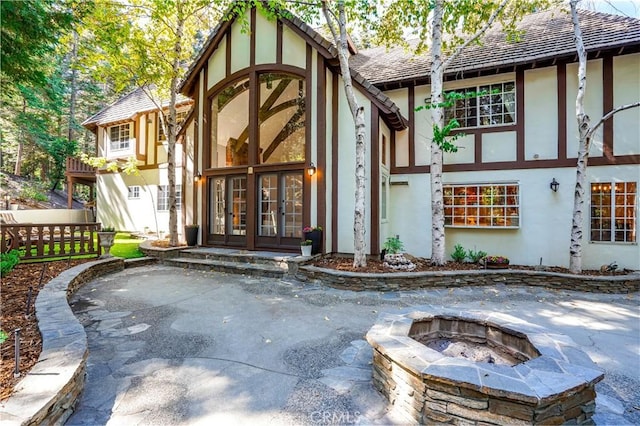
414,280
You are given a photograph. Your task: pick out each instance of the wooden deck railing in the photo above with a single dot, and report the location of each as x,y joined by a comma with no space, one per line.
75,166
47,240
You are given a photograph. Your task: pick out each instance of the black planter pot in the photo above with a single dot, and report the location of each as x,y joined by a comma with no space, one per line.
191,235
316,237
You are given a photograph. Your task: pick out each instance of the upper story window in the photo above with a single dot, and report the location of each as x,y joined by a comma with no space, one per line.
280,121
134,192
497,107
180,116
614,212
119,137
482,205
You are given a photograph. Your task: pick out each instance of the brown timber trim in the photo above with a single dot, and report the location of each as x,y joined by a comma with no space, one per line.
334,163
246,73
392,149
252,38
306,190
227,60
562,110
196,148
279,41
412,127
477,147
321,140
156,123
520,114
374,239
607,105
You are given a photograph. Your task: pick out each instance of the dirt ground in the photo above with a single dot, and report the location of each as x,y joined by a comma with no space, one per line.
14,294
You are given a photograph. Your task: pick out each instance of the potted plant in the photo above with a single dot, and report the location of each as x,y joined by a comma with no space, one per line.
106,237
313,233
496,262
191,234
305,247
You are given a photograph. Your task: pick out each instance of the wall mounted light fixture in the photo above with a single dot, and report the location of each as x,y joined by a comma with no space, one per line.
311,170
196,178
554,185
7,200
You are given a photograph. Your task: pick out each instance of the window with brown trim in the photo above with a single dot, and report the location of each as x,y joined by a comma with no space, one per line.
494,205
614,212
496,107
119,137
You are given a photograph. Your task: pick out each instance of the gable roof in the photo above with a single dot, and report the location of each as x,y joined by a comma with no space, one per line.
316,40
127,108
547,35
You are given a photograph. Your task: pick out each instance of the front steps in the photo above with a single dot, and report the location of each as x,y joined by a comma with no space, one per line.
256,263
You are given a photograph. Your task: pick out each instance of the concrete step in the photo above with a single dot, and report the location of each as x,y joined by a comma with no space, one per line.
277,260
231,267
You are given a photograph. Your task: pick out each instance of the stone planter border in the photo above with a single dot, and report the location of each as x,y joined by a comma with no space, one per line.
49,392
413,280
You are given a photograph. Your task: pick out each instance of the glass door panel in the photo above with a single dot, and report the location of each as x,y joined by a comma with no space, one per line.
268,205
238,202
218,206
291,205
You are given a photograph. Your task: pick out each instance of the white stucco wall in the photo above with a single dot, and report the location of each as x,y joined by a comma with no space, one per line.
346,170
423,127
626,124
592,106
266,36
541,114
217,64
294,48
240,46
545,218
500,146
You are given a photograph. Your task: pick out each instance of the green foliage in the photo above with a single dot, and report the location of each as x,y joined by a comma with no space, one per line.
107,229
3,336
8,261
459,253
393,245
476,256
33,191
306,243
126,247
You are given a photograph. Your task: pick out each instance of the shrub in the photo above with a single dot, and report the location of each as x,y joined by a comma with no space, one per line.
3,336
459,253
393,245
33,191
8,261
476,256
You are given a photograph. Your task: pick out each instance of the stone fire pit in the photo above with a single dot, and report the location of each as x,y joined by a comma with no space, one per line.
464,367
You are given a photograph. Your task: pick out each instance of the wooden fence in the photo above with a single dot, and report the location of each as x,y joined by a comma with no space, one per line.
48,240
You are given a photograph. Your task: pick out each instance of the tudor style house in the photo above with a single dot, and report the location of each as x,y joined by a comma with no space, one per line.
270,141
130,127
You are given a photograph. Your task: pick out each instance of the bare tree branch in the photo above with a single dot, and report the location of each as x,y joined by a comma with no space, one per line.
610,114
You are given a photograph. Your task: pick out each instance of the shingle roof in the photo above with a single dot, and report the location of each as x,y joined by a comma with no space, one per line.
548,34
126,108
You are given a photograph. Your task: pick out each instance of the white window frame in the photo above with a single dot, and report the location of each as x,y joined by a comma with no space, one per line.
162,202
490,110
133,192
122,139
482,205
621,224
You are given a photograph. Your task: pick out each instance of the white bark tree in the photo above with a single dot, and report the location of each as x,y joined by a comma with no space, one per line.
340,40
585,133
444,19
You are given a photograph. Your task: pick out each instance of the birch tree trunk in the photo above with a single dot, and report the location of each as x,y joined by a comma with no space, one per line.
575,249
357,111
437,116
73,88
171,134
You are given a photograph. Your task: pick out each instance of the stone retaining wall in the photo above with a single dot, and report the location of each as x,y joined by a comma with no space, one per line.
413,280
49,392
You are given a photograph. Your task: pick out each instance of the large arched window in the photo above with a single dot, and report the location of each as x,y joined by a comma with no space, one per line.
280,121
281,117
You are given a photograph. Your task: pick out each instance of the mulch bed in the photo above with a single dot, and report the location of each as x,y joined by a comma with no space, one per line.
14,293
424,265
